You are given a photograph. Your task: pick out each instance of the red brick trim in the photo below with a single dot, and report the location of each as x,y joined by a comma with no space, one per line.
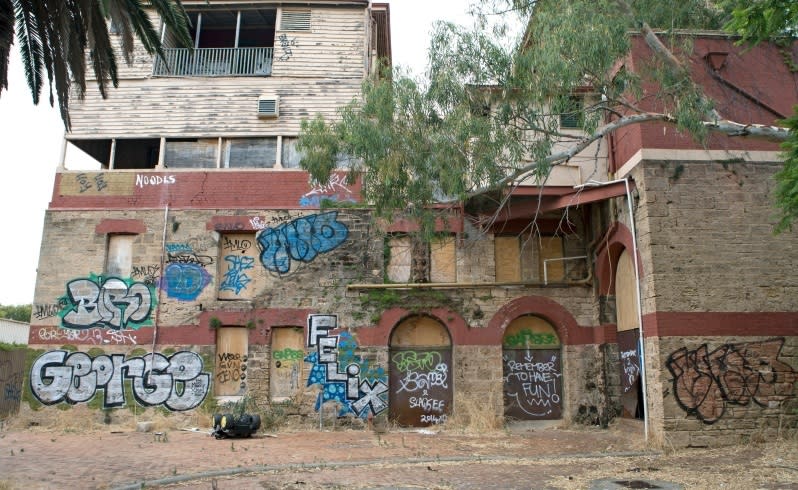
452,224
121,226
260,321
569,331
380,334
706,324
230,223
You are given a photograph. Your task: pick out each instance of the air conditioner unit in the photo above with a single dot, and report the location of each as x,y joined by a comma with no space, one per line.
268,106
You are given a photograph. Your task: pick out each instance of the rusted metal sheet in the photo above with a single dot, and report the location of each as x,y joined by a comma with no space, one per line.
231,361
421,391
12,366
288,353
532,384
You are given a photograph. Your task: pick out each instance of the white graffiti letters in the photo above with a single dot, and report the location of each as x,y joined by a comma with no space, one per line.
176,382
414,381
112,305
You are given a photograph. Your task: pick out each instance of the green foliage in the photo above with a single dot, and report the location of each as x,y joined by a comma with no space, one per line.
488,111
20,313
58,37
787,179
762,20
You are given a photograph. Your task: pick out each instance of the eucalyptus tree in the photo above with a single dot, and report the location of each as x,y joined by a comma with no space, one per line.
57,36
485,115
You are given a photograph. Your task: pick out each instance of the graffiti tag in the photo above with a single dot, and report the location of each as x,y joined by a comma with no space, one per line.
357,388
235,279
704,382
176,382
185,282
302,239
95,336
107,303
334,190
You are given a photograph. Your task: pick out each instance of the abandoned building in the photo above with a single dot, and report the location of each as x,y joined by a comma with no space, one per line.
200,262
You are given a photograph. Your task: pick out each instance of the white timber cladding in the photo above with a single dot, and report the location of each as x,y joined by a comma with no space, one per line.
202,107
314,72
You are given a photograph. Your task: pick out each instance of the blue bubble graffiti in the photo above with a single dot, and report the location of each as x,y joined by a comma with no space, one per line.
235,279
185,282
358,388
301,239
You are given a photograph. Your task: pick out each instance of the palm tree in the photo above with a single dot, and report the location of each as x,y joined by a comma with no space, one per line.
55,37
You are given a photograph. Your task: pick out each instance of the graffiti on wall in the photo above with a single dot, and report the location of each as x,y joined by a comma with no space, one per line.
107,302
526,337
301,239
705,383
334,190
231,367
94,336
423,395
90,181
532,383
12,365
358,388
236,278
184,276
286,45
148,274
175,382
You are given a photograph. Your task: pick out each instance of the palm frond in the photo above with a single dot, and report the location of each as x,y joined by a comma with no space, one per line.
6,40
30,45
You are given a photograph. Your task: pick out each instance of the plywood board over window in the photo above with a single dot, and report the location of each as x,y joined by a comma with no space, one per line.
230,372
551,248
625,295
507,252
287,365
238,255
443,263
119,259
400,258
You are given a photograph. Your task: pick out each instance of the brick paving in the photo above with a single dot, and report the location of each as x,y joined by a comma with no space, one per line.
57,459
523,457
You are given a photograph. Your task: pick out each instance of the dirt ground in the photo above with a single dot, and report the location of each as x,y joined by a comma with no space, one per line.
95,456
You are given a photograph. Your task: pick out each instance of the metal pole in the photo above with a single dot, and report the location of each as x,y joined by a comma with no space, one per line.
638,301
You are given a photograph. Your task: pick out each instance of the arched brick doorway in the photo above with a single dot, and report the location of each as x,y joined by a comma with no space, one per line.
532,370
420,367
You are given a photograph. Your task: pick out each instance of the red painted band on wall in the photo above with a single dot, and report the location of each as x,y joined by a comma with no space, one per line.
708,324
127,226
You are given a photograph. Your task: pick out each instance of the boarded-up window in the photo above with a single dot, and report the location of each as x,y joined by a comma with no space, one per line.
625,295
230,372
288,353
290,155
507,252
551,248
420,374
198,153
416,261
443,260
400,259
119,260
250,153
238,254
531,356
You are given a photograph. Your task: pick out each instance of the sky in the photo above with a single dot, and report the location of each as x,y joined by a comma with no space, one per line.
31,139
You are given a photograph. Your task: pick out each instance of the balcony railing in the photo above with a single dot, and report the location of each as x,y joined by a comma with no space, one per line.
214,62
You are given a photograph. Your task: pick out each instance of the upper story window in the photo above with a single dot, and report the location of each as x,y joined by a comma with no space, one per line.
227,42
411,260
